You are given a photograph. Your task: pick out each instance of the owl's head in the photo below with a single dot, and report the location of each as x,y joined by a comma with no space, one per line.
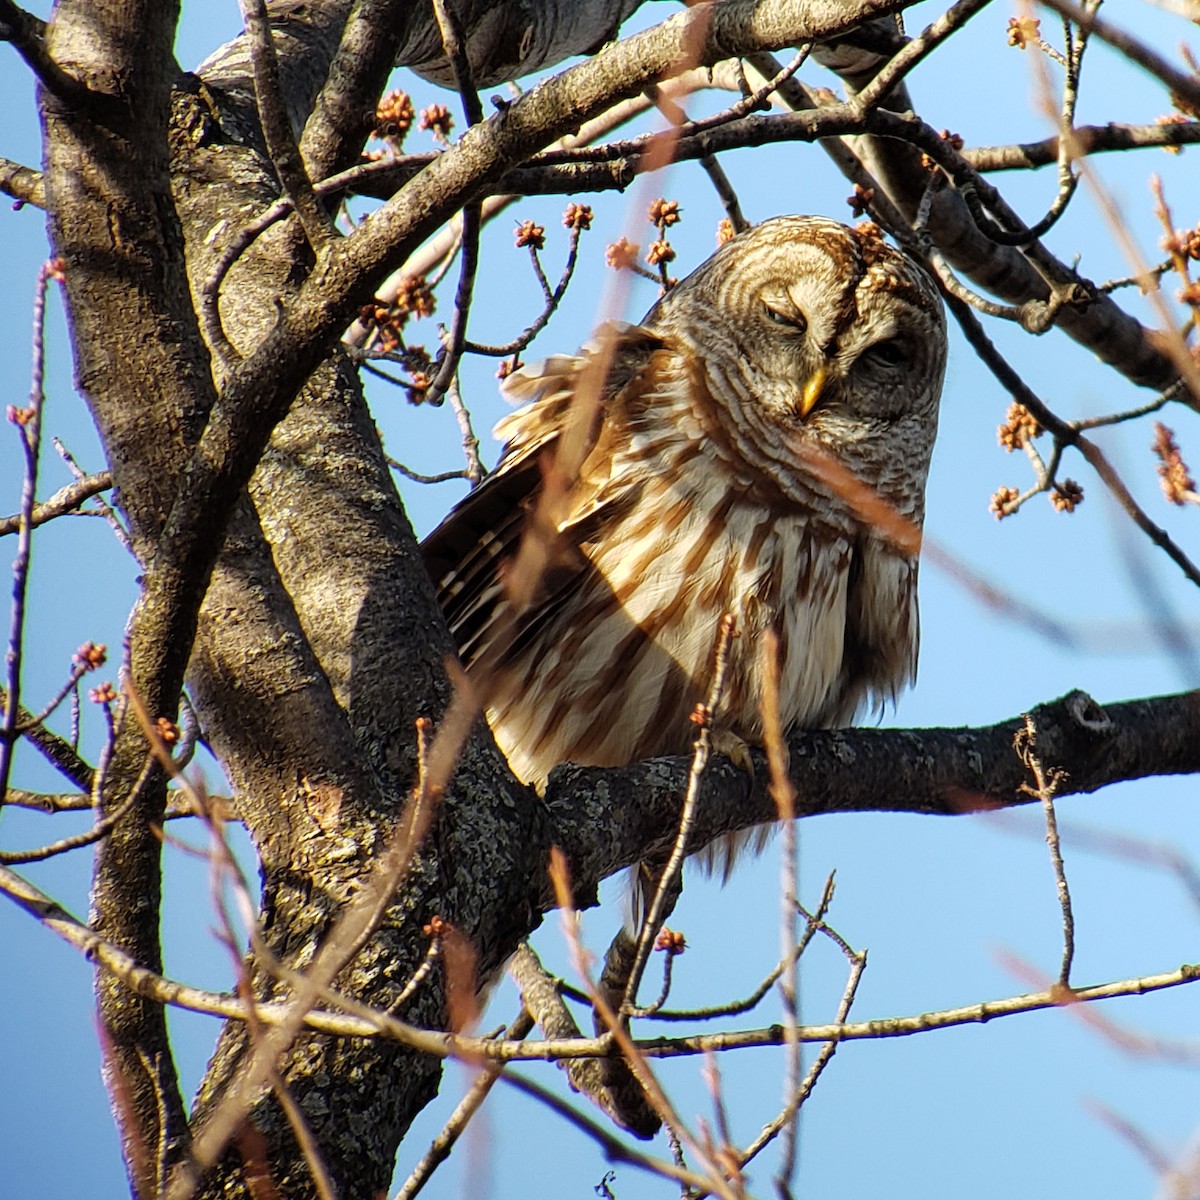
808,329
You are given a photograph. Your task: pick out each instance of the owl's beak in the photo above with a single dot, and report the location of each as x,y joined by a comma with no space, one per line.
813,389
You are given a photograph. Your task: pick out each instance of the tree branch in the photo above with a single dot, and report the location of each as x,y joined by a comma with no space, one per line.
277,130
1185,86
605,819
342,115
27,34
22,183
1087,139
67,499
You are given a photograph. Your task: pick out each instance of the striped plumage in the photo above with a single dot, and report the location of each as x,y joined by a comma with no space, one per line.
697,493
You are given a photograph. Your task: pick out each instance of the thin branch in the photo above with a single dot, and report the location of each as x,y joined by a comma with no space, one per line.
352,929
106,509
55,749
667,884
443,244
553,299
725,192
28,422
66,500
1019,390
784,795
614,1148
1142,280
475,470
794,953
27,35
456,339
51,914
454,42
335,130
599,1080
1186,86
78,671
858,964
179,804
89,837
441,1146
787,1120
638,1065
1034,316
1068,180
277,128
752,102
1046,784
919,48
22,183
1087,139
417,477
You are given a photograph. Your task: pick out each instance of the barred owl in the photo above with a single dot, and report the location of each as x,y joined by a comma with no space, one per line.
701,485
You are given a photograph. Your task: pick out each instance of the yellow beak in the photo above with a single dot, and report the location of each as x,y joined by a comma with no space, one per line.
813,389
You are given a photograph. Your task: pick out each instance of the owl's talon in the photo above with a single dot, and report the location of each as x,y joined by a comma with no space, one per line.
735,748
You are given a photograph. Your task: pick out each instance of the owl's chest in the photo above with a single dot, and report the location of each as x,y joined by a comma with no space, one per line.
687,554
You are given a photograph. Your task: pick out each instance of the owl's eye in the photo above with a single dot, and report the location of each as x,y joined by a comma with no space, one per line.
890,354
787,318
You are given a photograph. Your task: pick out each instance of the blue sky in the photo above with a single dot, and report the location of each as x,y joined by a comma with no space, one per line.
944,905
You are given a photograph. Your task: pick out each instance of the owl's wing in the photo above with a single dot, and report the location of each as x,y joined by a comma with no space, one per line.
466,555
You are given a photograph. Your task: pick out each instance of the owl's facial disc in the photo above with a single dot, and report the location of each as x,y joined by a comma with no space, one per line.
786,316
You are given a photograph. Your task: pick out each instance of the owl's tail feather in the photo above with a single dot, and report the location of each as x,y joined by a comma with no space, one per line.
720,856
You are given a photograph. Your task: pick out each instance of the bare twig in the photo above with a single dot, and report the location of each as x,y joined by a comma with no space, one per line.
553,299
597,1079
56,750
1087,139
22,183
417,477
454,42
615,1149
26,34
1183,85
786,1121
355,925
917,49
456,338
28,422
733,1008
725,192
784,795
475,470
751,102
703,718
375,1024
179,805
1021,391
612,1020
106,509
89,837
1046,783
223,868
66,500
441,1146
277,128
1133,1042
